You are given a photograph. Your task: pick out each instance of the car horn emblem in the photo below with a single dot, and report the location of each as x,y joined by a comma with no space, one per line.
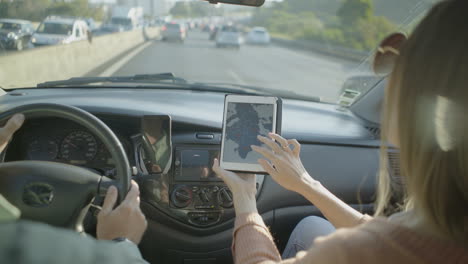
38,194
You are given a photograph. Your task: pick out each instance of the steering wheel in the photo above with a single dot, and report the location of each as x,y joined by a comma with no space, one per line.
55,193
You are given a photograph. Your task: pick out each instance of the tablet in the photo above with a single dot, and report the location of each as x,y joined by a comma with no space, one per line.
246,117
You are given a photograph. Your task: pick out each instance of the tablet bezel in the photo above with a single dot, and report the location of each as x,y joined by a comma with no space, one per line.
246,167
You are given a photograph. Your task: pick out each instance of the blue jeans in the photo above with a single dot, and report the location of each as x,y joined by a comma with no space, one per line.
304,234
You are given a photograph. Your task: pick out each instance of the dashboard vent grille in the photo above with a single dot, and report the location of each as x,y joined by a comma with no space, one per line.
375,131
395,172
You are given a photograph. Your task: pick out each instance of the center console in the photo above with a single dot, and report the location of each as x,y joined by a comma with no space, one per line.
191,192
195,187
177,176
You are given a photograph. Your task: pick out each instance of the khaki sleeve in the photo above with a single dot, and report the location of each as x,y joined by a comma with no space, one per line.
30,242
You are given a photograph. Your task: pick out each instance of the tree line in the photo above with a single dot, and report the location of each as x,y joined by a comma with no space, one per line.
184,9
348,23
36,10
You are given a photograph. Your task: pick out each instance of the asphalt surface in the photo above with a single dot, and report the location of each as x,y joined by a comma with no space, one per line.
271,67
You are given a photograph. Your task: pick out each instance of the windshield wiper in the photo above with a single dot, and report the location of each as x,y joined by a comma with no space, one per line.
146,81
139,78
269,91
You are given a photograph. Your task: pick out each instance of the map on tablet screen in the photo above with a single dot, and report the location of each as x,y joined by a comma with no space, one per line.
244,121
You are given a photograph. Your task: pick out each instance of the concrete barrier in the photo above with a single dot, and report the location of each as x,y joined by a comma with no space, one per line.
30,67
332,50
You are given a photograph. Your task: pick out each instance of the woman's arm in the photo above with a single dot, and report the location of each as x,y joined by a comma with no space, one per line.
286,168
252,242
334,209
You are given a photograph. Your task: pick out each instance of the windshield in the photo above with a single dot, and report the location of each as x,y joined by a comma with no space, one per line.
121,21
311,48
10,26
172,26
55,28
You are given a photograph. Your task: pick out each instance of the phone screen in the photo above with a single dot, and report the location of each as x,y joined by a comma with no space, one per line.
157,143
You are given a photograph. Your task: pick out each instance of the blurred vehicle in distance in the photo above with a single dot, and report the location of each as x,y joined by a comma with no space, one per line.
207,27
108,28
15,34
58,30
159,22
124,22
190,25
127,17
214,33
173,31
258,36
92,25
228,36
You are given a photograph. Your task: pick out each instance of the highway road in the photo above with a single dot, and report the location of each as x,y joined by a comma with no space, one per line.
198,60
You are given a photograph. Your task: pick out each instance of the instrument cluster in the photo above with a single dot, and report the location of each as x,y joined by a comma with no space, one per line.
65,143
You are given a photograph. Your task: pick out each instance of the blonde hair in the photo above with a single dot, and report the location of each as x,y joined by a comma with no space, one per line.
425,105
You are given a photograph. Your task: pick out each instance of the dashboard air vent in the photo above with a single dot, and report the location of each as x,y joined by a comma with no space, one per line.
17,94
375,131
395,171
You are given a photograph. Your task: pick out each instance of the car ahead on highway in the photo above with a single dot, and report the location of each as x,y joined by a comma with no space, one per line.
85,104
108,28
58,30
228,36
214,32
15,33
258,36
173,31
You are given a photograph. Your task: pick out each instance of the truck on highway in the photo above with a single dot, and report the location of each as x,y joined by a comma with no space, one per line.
127,17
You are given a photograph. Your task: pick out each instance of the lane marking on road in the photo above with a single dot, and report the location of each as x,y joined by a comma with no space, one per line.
116,66
236,77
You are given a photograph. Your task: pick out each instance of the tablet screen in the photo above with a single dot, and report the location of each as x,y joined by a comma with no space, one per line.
244,122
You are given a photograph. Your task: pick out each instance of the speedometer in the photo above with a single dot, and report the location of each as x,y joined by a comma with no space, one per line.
78,147
42,150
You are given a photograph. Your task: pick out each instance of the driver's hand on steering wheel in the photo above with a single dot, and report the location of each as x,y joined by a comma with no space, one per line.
6,132
126,220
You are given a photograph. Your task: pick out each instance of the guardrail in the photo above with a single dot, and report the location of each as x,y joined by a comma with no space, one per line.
327,49
30,67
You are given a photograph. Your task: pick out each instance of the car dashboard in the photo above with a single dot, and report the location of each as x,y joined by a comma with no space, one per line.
189,210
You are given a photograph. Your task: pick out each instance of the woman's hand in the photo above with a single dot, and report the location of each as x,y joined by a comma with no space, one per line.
126,220
242,187
284,164
11,126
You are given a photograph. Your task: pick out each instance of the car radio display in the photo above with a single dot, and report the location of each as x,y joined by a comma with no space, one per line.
196,165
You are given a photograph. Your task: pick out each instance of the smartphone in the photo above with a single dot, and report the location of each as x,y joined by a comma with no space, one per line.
157,143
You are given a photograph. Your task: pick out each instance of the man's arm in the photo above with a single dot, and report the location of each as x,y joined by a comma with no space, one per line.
31,242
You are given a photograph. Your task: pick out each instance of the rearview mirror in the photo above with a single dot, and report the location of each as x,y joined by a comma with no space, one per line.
239,2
